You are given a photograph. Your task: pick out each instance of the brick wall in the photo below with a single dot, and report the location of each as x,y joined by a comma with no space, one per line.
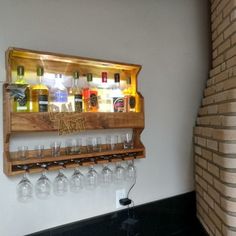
215,132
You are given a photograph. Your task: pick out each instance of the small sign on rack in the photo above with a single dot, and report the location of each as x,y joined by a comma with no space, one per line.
68,122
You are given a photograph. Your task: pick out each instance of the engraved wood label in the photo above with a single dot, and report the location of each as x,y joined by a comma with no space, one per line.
68,122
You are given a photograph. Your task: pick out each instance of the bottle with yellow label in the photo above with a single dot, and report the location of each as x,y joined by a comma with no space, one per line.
39,93
130,96
75,94
21,102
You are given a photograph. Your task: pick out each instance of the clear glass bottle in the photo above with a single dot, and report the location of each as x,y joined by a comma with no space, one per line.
75,94
39,93
21,103
104,94
58,95
117,95
90,95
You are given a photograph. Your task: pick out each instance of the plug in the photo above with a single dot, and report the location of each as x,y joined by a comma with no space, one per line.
125,201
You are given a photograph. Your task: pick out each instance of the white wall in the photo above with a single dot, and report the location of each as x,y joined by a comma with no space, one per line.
169,38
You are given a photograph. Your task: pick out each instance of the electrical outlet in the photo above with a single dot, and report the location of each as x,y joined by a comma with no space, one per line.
120,193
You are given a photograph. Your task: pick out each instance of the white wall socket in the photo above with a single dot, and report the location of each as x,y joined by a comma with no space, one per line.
120,193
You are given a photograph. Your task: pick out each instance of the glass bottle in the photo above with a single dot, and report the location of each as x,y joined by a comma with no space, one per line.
39,93
58,95
117,95
90,95
75,94
105,101
21,103
129,96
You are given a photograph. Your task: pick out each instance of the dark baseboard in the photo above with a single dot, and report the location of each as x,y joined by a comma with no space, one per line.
175,216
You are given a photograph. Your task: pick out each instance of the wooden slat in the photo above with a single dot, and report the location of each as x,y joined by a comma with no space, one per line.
37,169
33,122
32,160
56,57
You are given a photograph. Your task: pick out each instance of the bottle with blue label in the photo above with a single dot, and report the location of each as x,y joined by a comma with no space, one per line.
58,95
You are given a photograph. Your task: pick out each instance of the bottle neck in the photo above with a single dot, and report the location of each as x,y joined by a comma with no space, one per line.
76,83
117,85
20,79
40,79
128,86
59,84
90,84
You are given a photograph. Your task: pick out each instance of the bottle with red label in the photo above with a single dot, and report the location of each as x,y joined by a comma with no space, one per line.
90,95
104,92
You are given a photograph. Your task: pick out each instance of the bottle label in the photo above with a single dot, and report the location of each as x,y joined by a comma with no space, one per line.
132,102
60,96
43,103
119,104
78,102
22,102
93,99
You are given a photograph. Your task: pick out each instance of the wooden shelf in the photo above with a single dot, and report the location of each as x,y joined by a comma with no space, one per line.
65,123
16,166
44,122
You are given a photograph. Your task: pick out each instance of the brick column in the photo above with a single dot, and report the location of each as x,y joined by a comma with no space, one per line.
215,132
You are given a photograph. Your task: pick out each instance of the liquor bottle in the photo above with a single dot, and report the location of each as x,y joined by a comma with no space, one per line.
117,95
21,103
58,96
104,95
90,95
39,93
129,96
75,94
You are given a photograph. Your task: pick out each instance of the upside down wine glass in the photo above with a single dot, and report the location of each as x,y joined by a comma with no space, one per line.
60,184
24,189
76,181
92,178
119,173
106,176
131,171
43,186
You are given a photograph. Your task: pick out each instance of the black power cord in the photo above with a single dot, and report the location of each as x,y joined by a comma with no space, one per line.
130,225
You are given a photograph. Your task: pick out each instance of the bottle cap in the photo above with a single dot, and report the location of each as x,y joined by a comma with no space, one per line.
117,77
76,75
58,76
128,80
104,77
89,77
40,71
20,70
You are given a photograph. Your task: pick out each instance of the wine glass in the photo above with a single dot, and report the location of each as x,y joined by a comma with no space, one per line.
60,184
106,176
120,173
76,181
131,171
43,186
24,189
92,178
